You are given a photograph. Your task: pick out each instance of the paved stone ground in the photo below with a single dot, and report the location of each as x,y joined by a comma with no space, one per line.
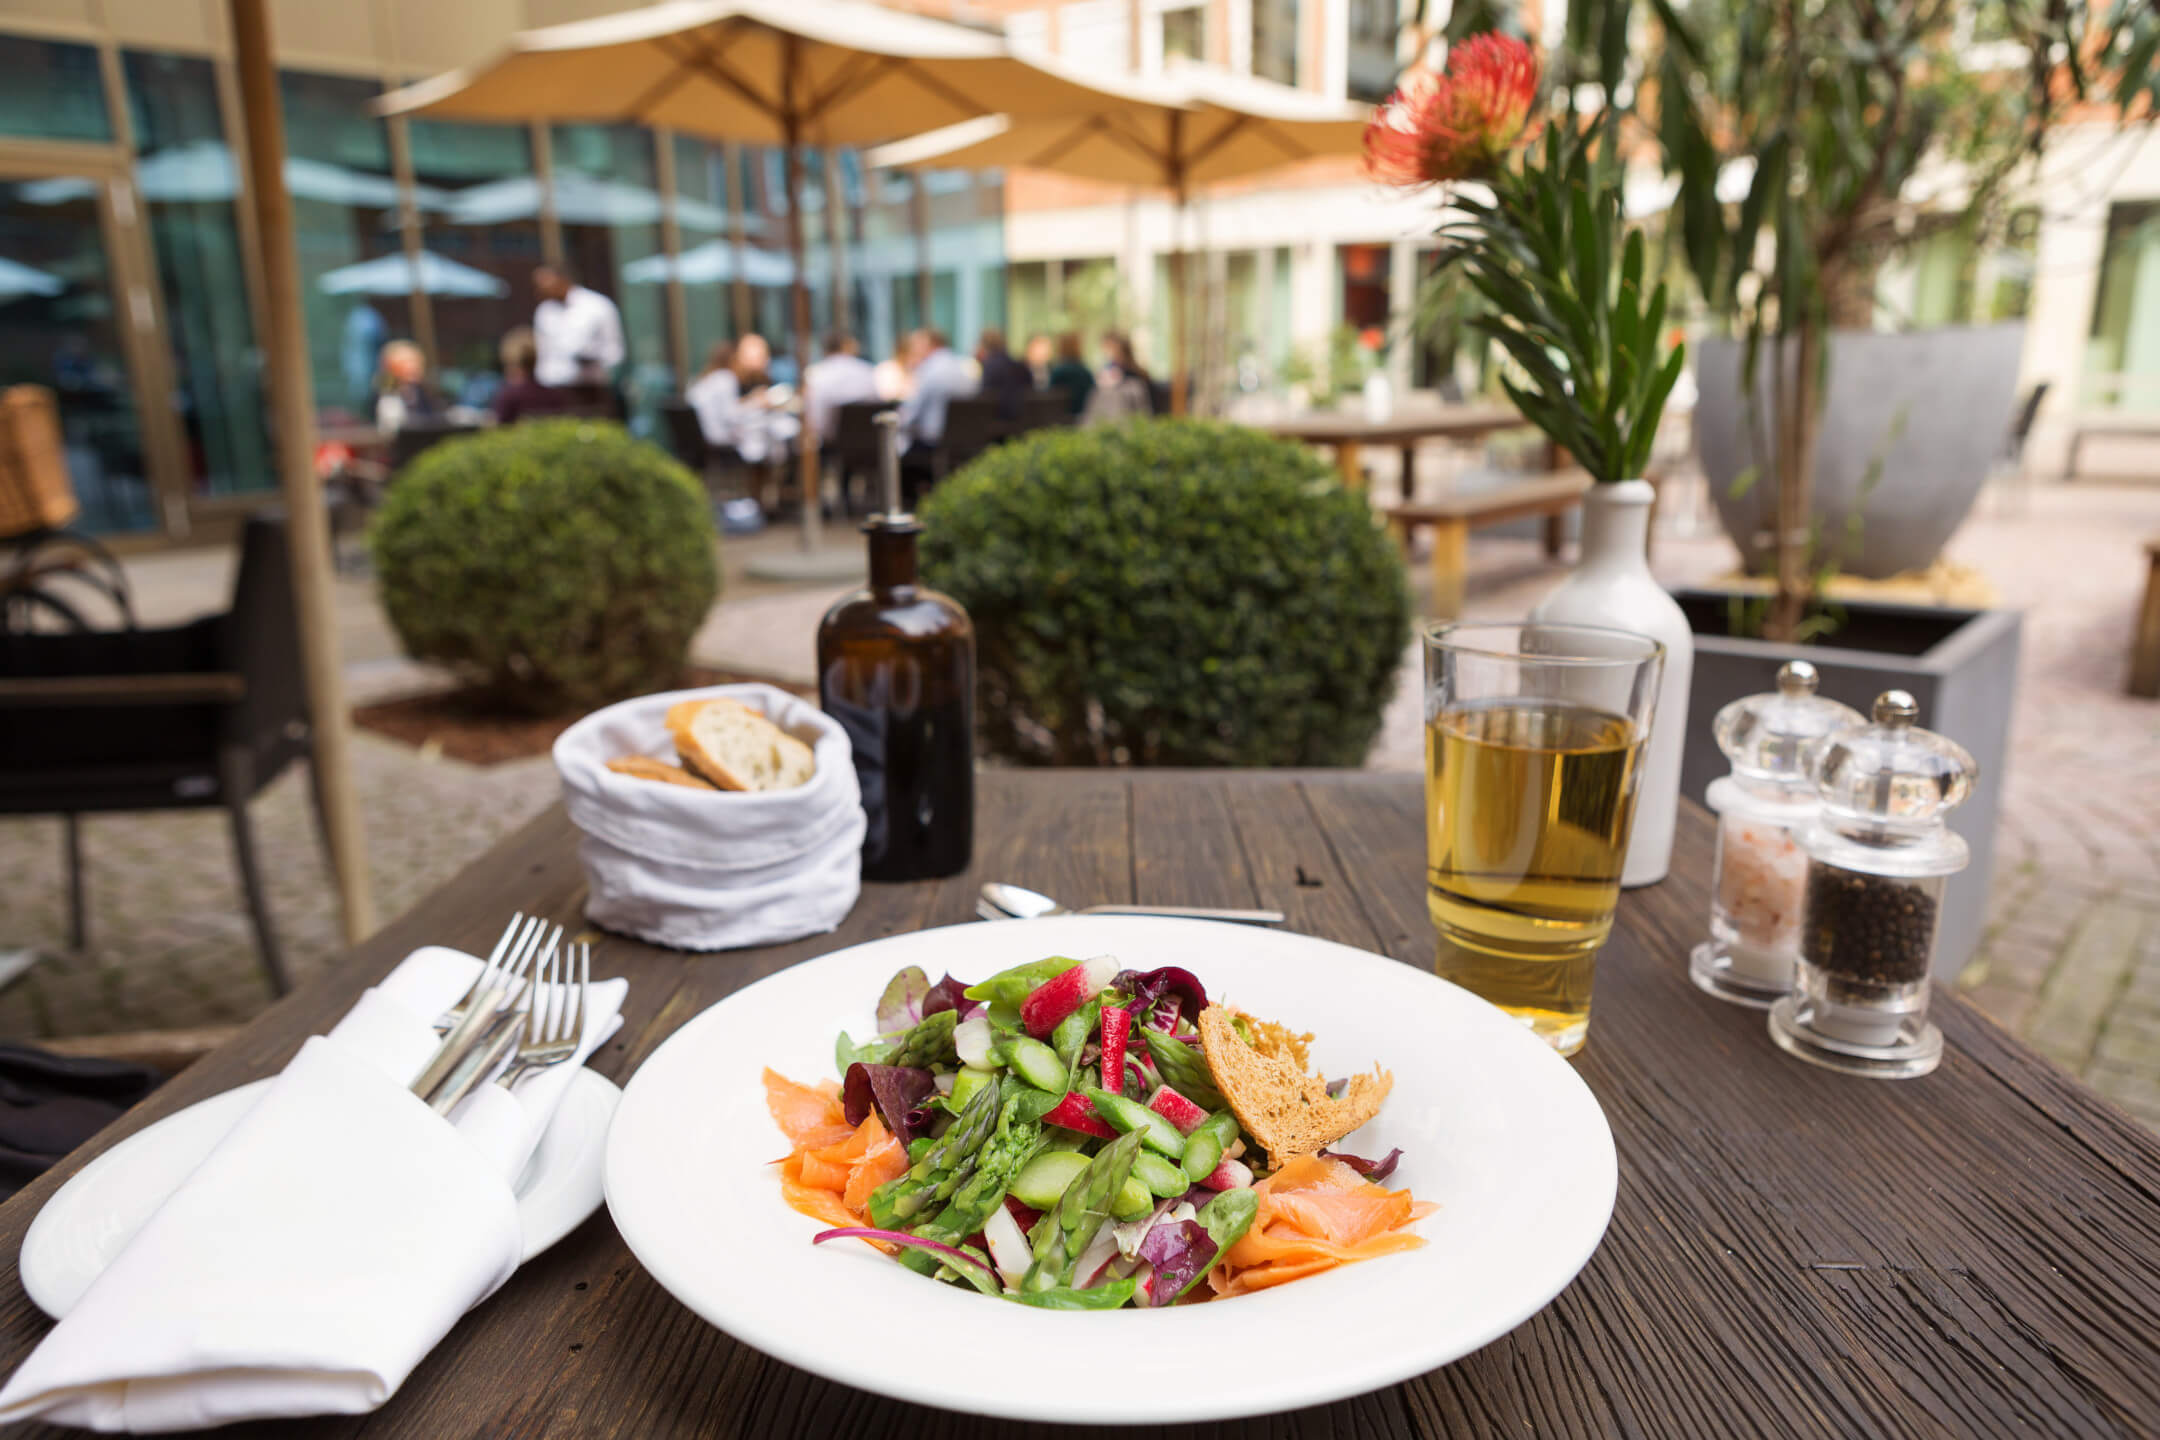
2072,960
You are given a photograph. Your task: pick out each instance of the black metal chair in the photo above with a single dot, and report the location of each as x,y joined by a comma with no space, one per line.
1043,409
971,427
854,450
685,436
416,437
183,717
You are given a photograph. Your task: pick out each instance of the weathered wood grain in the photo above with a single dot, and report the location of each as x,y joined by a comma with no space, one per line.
1793,1252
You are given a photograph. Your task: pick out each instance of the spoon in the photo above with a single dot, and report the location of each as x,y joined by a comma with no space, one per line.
1015,902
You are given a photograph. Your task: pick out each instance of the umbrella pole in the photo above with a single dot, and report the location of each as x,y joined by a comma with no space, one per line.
293,405
808,441
1180,340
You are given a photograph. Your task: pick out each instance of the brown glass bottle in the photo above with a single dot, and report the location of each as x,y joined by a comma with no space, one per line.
896,668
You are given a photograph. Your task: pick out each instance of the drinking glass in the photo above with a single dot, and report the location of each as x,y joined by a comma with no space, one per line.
1533,754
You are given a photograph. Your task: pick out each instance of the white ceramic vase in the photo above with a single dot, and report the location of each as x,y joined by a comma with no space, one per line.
1379,398
1613,587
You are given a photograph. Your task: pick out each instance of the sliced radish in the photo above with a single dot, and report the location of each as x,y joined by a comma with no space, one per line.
1008,1246
1230,1175
1024,1215
1095,1259
1074,1113
973,1038
1178,1110
1062,994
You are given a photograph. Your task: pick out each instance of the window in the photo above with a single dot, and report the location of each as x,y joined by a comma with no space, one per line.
1184,34
2122,360
1372,64
480,213
52,91
356,282
1275,40
188,181
708,262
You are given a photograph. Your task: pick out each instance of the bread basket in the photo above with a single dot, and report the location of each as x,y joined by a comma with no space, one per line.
712,869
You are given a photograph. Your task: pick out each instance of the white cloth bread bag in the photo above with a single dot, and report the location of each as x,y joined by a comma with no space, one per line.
712,869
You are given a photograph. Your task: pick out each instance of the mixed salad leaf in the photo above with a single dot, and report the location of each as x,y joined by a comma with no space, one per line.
1055,1136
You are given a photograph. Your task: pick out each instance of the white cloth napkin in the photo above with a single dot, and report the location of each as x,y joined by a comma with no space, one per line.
705,869
327,1243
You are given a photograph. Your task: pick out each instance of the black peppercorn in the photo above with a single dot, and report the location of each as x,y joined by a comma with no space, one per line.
1868,930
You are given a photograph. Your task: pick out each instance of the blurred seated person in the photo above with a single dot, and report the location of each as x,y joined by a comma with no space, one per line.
1038,358
1070,375
895,378
402,391
1004,379
842,377
1123,387
521,397
941,377
733,401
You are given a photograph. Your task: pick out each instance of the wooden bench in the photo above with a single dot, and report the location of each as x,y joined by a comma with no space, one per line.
1453,517
2145,645
2107,425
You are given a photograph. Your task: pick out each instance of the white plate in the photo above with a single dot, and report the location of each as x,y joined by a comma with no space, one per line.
1493,1126
89,1219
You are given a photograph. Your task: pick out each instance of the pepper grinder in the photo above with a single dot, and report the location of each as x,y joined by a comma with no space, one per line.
1760,871
1879,856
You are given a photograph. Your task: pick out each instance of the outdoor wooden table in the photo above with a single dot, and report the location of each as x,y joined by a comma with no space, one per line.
1348,432
1793,1253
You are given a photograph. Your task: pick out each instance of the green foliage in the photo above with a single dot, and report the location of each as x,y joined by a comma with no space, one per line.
1170,592
559,564
1540,254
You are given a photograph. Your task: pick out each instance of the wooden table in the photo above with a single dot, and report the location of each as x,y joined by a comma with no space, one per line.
1793,1253
1348,432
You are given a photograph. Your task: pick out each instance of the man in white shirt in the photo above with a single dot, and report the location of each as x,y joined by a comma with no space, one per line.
843,377
577,332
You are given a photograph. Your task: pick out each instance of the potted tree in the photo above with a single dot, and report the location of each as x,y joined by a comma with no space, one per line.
1837,111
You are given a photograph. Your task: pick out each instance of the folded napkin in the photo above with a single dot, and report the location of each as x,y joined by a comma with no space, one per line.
327,1243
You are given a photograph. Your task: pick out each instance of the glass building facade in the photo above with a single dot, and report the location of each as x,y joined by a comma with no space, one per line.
130,283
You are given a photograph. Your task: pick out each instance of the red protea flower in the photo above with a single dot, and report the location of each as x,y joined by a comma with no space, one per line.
1457,123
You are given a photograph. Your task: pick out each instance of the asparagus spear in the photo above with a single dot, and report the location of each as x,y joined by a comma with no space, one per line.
1061,1235
929,1043
1184,1069
1205,1146
1001,1158
942,1167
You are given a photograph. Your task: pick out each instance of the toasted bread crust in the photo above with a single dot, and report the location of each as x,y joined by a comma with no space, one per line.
648,767
1281,1105
737,748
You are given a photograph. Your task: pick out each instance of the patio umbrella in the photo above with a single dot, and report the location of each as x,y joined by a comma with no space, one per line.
18,279
394,275
764,72
712,263
203,170
1202,127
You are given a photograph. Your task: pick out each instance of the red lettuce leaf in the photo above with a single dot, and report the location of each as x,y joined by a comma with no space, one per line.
947,994
896,1092
901,1004
1373,1170
1181,1253
1166,993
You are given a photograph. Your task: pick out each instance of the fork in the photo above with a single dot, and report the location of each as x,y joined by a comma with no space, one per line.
517,937
557,1022
527,954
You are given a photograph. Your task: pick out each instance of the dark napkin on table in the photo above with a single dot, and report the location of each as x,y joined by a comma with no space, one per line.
49,1104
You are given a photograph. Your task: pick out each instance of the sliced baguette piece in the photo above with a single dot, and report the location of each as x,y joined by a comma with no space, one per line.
650,767
1280,1104
736,748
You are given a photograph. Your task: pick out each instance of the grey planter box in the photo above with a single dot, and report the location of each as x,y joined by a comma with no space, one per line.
1960,665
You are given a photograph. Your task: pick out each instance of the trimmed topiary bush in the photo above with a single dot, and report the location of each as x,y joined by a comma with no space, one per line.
558,564
1170,592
